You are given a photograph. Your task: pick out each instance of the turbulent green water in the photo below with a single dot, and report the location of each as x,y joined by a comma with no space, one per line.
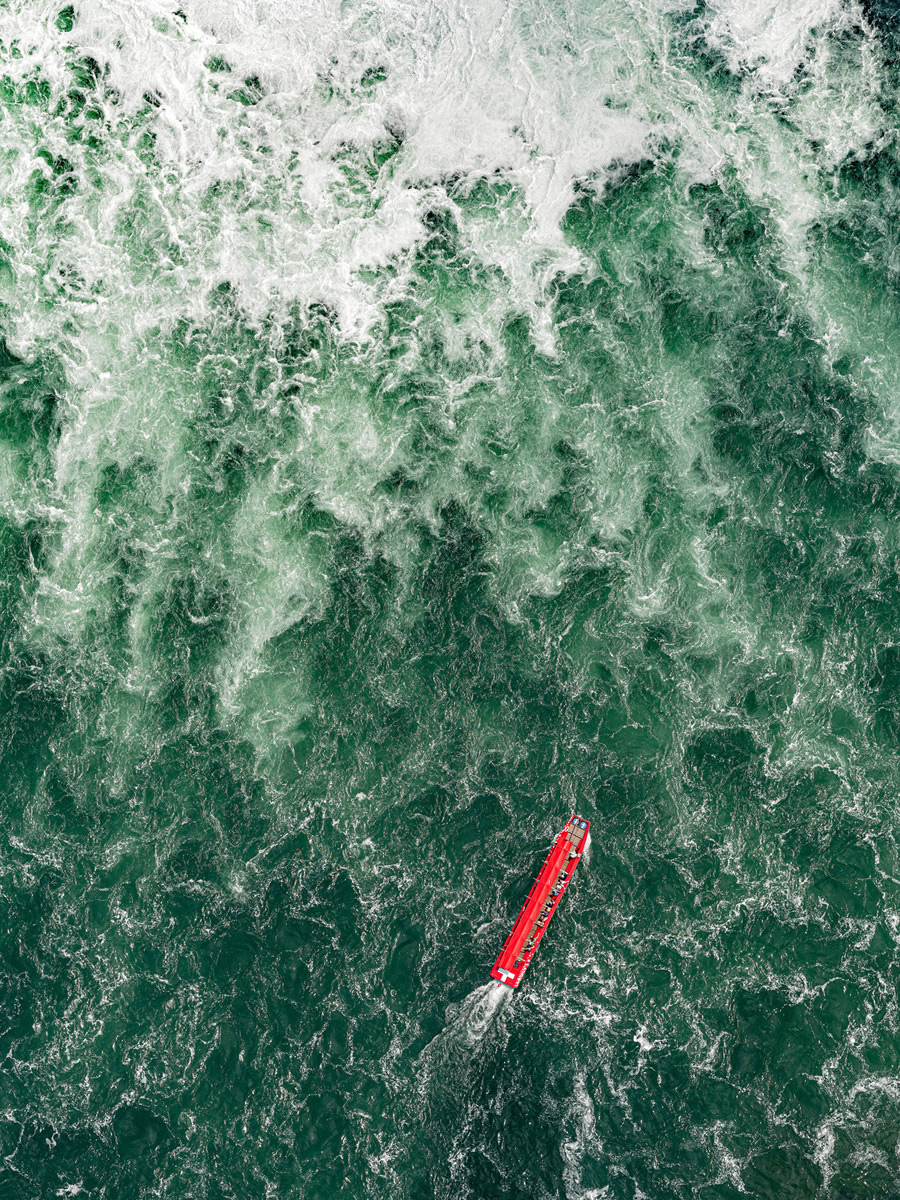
419,422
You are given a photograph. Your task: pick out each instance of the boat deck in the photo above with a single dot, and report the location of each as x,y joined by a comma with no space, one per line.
541,902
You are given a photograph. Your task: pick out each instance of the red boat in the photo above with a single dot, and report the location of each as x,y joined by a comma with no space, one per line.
540,904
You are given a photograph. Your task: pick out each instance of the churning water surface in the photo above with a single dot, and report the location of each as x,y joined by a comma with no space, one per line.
418,422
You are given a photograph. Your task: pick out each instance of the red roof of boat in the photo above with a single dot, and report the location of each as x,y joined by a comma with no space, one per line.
540,904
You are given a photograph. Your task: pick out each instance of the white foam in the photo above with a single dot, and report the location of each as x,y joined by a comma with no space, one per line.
262,197
772,37
475,1015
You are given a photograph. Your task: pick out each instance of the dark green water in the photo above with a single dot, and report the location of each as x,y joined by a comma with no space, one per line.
419,422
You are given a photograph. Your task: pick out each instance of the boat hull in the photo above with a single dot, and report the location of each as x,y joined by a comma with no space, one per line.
541,902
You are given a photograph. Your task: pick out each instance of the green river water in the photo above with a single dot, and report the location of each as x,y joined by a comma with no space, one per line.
419,422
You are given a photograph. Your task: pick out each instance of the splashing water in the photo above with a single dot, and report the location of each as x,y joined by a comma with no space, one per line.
468,1024
477,1013
586,853
461,1058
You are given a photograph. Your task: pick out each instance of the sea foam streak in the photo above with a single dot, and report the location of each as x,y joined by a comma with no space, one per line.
477,1014
468,1023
